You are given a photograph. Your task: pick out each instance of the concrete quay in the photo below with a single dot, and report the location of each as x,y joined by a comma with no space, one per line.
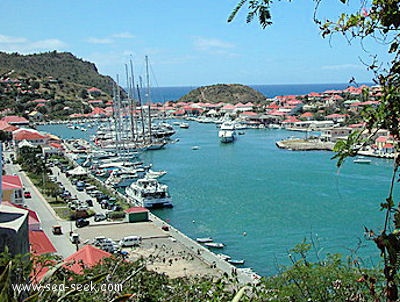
202,260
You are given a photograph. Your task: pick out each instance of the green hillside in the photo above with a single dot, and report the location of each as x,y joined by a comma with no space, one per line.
226,93
61,66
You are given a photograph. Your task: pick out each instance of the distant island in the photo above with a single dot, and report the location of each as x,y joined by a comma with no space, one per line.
224,93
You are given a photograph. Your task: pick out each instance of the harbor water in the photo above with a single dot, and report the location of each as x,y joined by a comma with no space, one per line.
261,201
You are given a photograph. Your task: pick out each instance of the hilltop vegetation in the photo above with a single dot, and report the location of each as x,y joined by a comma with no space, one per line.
225,93
61,79
61,66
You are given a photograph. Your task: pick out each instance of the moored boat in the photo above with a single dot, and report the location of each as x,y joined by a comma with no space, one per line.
149,193
236,261
216,245
204,239
155,174
362,160
227,132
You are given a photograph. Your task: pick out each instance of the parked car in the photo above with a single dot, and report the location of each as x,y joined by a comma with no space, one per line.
109,246
81,222
130,241
74,237
27,194
97,241
99,217
57,229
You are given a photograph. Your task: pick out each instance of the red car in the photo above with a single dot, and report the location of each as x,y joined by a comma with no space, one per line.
27,194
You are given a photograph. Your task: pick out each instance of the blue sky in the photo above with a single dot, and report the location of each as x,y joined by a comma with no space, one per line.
189,43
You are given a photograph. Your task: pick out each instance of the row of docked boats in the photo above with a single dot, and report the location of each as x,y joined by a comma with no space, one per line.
209,242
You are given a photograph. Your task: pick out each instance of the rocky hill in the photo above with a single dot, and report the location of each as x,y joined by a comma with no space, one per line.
64,67
226,93
61,79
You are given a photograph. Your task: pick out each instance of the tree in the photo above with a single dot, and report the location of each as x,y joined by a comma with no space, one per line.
378,21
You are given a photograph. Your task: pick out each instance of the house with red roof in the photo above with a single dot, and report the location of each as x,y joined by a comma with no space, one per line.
30,135
94,91
228,108
337,118
308,116
12,189
137,214
15,120
86,257
98,112
39,243
4,126
244,107
385,144
290,121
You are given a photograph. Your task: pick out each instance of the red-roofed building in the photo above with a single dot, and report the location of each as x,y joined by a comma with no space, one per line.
4,126
87,257
307,116
179,112
336,117
15,120
385,144
98,112
136,214
12,189
95,102
228,108
94,91
32,136
272,106
40,244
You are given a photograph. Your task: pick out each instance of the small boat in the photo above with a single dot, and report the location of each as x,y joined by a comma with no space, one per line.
155,174
215,245
195,148
362,160
184,125
236,261
224,257
204,240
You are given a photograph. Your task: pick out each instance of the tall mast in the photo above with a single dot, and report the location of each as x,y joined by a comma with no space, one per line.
141,111
148,95
133,104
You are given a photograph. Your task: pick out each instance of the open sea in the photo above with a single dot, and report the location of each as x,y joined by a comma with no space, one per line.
260,200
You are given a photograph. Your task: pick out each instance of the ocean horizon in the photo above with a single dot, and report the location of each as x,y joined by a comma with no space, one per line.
173,93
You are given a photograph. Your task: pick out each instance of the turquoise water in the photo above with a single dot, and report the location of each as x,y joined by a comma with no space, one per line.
276,197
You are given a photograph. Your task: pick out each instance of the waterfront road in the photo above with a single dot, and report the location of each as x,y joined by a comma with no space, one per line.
65,248
46,214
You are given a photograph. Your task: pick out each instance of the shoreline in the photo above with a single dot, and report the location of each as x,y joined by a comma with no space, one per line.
210,259
303,145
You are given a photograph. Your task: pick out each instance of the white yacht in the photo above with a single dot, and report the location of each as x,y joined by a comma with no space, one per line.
149,193
227,132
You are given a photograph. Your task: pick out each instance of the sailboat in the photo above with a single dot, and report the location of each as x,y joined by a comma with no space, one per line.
152,144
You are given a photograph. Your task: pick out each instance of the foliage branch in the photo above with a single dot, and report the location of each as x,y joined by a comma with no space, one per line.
377,21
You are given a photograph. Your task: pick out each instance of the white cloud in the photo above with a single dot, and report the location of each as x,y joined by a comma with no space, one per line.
211,44
24,46
11,40
100,40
